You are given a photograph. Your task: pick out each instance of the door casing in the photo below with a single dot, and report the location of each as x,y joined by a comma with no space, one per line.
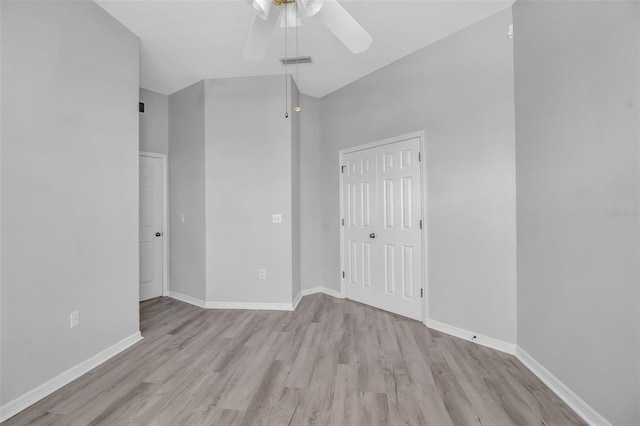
165,227
423,211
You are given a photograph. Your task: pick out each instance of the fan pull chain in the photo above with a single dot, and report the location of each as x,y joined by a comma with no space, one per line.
286,65
297,108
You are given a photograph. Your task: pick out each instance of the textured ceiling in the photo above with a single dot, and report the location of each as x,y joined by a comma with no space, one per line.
183,42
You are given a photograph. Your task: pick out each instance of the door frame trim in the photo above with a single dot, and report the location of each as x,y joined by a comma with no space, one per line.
423,209
165,227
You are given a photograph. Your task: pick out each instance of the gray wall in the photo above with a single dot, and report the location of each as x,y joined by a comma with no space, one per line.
248,178
154,125
69,188
310,203
295,192
1,378
187,191
576,76
460,91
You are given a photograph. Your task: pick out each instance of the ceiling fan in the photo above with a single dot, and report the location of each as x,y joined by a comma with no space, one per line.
328,12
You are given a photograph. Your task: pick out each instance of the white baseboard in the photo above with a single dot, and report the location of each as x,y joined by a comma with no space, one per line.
13,407
325,290
297,300
254,306
480,339
231,305
576,403
187,299
250,305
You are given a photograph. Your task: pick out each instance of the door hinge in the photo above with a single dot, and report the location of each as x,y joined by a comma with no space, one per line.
342,222
342,274
421,293
341,169
419,156
420,223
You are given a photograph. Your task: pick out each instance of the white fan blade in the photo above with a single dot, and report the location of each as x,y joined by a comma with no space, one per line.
260,36
309,8
342,25
262,7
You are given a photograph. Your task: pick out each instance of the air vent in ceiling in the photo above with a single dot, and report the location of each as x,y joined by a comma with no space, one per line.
296,60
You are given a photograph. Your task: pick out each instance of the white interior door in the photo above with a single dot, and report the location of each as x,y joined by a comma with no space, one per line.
399,234
151,232
382,204
360,224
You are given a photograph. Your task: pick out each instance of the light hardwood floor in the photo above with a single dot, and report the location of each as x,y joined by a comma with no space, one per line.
331,362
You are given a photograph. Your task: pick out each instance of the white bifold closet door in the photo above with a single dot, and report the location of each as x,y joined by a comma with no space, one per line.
382,204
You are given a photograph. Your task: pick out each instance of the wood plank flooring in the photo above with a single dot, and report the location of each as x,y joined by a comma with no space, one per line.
331,362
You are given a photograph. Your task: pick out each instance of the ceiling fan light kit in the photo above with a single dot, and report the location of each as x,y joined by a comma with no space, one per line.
290,19
281,2
330,13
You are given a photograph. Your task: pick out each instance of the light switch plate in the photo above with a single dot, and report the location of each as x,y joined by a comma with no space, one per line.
74,319
277,218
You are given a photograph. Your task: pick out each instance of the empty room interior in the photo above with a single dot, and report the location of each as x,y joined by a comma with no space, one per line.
320,212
